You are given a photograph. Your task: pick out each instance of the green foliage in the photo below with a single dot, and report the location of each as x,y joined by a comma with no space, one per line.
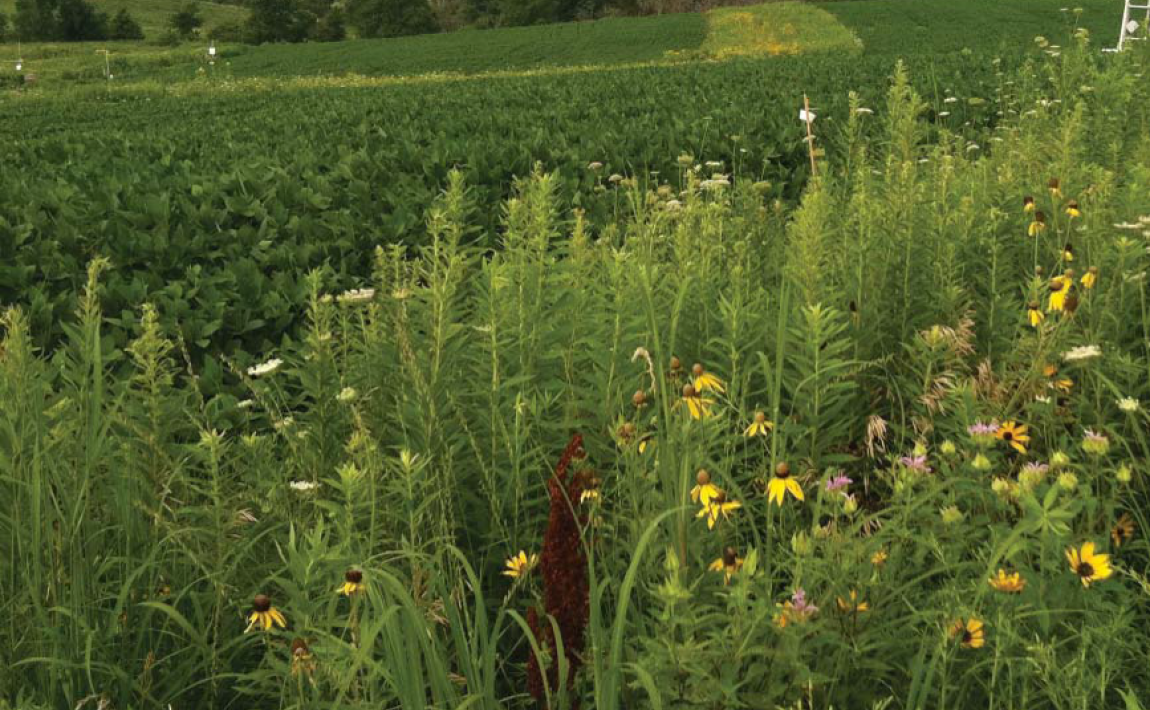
391,18
124,27
187,21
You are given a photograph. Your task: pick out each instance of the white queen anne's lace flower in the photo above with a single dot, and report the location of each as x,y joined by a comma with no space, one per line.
1082,352
265,368
303,486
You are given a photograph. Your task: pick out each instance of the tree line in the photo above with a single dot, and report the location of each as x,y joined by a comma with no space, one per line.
324,20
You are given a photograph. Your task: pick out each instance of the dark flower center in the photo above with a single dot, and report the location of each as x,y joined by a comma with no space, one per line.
261,603
1085,570
1007,435
967,637
354,576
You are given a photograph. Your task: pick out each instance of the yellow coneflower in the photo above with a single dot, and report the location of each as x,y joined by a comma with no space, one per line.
1062,384
520,565
1088,565
1059,288
1038,224
852,605
352,583
1034,314
264,616
302,662
760,425
728,564
879,558
698,407
1010,583
1123,530
1055,186
705,381
1014,434
1068,253
718,506
1028,204
781,484
970,632
1090,278
704,491
1073,209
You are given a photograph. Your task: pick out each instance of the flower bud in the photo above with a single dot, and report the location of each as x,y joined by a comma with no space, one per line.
1124,474
1067,480
948,448
981,463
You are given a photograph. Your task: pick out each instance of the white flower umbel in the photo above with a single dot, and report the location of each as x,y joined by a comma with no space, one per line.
303,486
1129,405
265,368
1082,352
359,295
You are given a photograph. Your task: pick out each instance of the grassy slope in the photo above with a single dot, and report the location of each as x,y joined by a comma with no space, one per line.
153,14
922,26
773,29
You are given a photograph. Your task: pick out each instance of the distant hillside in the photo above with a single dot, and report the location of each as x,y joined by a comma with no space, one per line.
153,14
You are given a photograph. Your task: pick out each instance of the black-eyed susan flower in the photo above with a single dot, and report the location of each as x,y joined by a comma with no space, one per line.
352,583
1028,204
1010,583
718,507
1068,252
852,605
970,632
264,616
760,425
704,491
728,564
1038,224
1073,209
1090,566
706,382
1059,288
520,565
1123,530
699,407
1034,314
781,484
1055,186
1090,278
1014,434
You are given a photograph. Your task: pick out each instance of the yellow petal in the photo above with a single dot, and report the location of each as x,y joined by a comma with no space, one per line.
795,489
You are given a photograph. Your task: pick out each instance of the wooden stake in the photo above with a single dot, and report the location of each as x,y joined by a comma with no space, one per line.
810,135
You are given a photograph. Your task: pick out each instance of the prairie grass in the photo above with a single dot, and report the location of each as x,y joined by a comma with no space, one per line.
878,332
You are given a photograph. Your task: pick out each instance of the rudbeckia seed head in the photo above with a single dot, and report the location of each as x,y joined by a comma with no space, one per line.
1040,217
1039,271
1093,270
697,370
676,363
688,390
299,647
639,398
262,602
1054,183
1027,201
1069,273
782,470
760,417
1033,305
354,576
627,430
703,477
1055,285
730,556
